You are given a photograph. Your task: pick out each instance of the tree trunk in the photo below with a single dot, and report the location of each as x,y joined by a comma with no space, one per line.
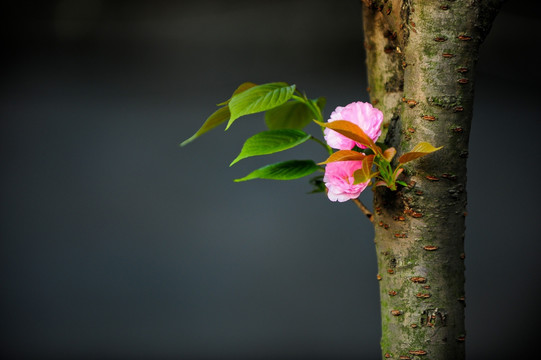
421,57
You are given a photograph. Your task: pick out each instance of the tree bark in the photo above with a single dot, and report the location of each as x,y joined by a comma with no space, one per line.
421,57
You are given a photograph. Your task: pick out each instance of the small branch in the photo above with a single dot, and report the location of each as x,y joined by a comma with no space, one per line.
364,209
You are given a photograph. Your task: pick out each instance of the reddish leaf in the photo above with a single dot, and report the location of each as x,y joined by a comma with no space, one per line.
241,88
344,155
351,131
365,173
389,154
420,150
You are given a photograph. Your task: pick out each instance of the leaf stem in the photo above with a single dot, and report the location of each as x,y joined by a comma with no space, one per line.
386,171
315,110
327,147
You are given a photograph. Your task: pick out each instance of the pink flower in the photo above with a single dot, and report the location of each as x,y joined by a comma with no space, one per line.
362,114
339,180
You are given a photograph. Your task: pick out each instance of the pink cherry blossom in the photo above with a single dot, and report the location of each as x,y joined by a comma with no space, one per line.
362,114
339,180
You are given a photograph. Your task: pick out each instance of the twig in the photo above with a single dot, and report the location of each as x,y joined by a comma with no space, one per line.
364,209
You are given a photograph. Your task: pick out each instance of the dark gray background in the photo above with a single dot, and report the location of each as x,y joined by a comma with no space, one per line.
118,244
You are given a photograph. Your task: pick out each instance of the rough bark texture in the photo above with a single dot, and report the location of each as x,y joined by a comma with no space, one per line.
421,57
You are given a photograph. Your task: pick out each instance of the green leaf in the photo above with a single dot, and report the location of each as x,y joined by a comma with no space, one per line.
318,184
259,98
270,142
291,115
287,170
219,116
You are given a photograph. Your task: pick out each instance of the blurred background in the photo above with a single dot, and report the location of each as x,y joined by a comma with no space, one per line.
118,244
